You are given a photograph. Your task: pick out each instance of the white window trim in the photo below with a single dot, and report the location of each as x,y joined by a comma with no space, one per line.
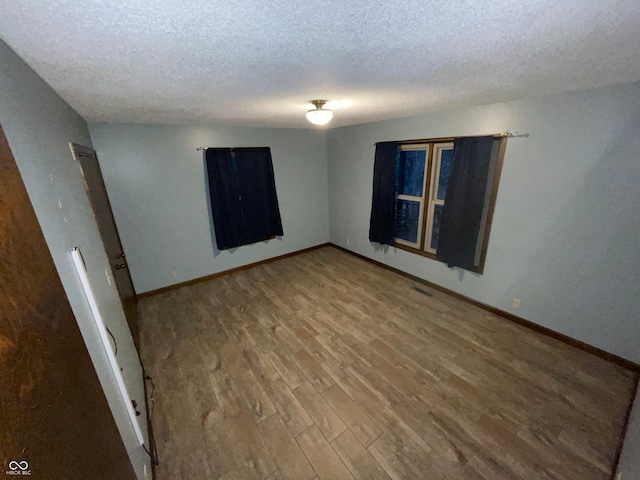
420,200
438,148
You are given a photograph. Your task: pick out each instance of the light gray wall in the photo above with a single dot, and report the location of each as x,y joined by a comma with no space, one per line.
39,125
565,233
156,184
629,465
566,229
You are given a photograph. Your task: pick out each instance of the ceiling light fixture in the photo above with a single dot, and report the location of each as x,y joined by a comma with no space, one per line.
319,115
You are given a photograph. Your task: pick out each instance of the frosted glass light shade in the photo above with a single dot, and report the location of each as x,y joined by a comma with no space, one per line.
319,116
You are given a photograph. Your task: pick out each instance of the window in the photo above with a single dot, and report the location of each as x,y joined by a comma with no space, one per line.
423,169
417,199
410,186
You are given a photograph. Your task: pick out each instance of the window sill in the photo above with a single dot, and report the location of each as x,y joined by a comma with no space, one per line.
432,256
422,253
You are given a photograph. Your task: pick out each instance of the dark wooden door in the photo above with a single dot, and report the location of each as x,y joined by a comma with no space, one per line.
54,417
94,184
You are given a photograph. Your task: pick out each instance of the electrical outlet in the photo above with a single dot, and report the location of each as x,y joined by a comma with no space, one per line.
348,242
516,303
108,274
174,274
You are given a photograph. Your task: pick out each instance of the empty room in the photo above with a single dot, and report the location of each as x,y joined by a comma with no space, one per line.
320,240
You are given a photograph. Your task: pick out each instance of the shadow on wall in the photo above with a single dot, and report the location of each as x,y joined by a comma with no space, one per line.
590,254
379,247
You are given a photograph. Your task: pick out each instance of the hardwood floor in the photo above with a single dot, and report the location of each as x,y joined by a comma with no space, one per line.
323,366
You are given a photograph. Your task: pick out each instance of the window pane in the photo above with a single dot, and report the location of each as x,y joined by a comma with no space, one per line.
410,172
435,230
445,170
407,215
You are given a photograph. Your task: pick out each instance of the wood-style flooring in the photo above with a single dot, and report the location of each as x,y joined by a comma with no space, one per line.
324,366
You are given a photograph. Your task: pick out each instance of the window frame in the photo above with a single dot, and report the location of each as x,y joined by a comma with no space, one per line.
436,150
421,200
425,221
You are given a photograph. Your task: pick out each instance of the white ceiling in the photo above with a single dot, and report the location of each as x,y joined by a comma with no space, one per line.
259,62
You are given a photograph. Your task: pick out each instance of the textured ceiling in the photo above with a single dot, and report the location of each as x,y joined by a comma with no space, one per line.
258,63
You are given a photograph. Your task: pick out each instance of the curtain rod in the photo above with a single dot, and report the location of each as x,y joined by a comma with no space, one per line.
230,148
502,134
499,135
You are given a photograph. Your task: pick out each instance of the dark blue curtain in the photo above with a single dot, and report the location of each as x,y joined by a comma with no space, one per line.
244,203
382,222
464,202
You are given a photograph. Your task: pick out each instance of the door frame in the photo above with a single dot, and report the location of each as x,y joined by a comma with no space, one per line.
77,151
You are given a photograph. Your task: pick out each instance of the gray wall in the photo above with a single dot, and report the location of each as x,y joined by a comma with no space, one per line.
39,125
565,234
156,184
629,465
566,229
